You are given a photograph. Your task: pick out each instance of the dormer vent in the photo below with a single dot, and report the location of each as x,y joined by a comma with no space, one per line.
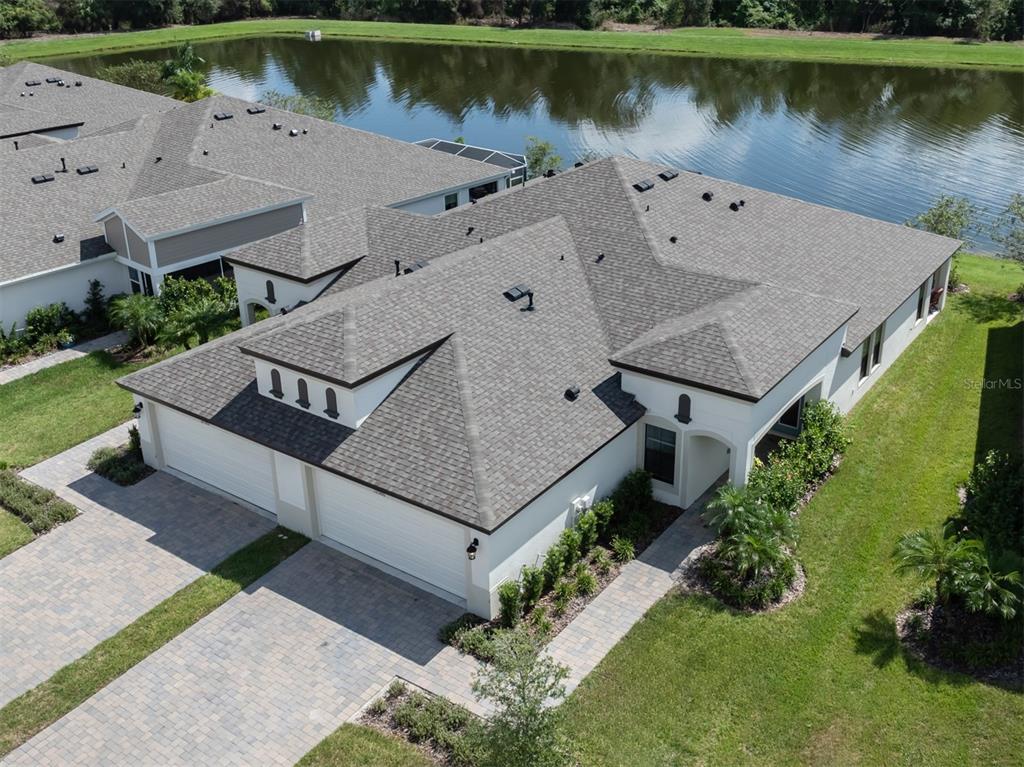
644,185
516,292
51,80
572,393
42,178
223,116
708,196
667,175
32,83
256,110
415,267
85,170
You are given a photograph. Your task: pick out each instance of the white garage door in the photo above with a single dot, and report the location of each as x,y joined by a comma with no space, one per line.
218,458
419,543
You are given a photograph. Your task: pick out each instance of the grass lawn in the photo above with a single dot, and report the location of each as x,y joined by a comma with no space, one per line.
13,533
50,411
825,681
692,41
354,745
41,706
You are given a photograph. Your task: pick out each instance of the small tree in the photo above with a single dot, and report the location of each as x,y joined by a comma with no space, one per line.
189,86
95,313
1009,229
541,157
139,314
313,106
136,73
949,216
522,684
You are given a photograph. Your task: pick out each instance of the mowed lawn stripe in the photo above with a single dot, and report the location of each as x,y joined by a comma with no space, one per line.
26,715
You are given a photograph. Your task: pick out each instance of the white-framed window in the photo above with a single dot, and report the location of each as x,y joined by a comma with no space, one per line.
871,352
922,301
451,201
660,453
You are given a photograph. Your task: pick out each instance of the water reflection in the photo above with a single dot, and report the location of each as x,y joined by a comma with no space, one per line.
882,141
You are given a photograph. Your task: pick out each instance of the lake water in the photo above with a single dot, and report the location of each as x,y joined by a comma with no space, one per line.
882,141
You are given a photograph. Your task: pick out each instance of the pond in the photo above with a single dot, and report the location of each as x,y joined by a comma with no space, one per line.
881,141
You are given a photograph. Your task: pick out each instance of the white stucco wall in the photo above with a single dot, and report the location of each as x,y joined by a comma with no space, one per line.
68,285
252,288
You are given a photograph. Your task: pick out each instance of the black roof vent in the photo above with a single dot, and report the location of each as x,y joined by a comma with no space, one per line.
293,132
737,205
32,83
549,173
673,239
305,131
52,80
223,116
529,306
415,267
469,230
256,110
643,185
58,238
577,164
277,126
42,178
708,196
85,170
667,175
78,83
516,292
600,258
572,393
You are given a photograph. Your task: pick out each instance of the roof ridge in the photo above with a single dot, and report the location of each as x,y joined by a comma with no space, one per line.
350,363
738,359
485,501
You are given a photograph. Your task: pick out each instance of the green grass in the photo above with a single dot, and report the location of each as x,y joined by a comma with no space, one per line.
825,681
352,745
41,706
55,409
734,43
13,533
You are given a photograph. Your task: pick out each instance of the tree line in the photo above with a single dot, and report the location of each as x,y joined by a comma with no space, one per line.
981,19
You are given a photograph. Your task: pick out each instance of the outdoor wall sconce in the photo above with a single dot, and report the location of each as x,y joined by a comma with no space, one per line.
471,549
137,409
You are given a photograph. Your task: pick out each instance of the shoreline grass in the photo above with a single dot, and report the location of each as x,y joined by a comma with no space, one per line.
43,705
710,42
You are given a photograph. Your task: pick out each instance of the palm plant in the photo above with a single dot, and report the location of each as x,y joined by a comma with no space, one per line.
987,591
139,314
729,510
935,557
754,554
200,318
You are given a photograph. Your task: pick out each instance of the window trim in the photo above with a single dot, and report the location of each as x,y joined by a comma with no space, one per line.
871,352
452,204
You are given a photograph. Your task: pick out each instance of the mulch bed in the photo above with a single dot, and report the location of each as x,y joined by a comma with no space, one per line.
925,640
691,581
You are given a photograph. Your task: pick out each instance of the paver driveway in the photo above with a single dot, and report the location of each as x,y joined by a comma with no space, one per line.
128,550
267,675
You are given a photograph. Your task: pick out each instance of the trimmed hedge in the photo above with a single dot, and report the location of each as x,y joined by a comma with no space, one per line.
38,507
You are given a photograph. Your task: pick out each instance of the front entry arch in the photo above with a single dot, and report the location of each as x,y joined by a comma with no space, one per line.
254,312
706,460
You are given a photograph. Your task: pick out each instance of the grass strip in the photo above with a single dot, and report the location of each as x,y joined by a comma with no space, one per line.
695,41
13,533
43,705
353,744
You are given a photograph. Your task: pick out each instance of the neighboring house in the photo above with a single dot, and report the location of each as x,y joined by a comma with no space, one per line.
462,384
108,183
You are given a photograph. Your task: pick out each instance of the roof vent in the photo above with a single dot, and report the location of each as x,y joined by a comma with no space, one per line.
469,231
223,116
708,196
667,175
78,83
85,170
600,258
32,83
415,267
52,80
516,292
737,205
293,132
277,126
643,185
577,164
158,158
550,173
256,110
673,239
58,238
572,393
305,131
529,306
42,178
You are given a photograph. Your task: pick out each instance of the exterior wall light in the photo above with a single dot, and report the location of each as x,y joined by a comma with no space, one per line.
137,409
471,549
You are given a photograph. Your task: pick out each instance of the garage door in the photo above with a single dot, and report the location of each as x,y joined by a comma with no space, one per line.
419,543
218,458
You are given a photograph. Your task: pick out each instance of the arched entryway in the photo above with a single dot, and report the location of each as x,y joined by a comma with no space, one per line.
706,462
254,312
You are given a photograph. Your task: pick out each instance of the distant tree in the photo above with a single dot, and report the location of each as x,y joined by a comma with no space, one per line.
188,86
20,18
136,73
520,682
1009,229
84,15
302,104
541,157
199,11
185,57
949,216
139,314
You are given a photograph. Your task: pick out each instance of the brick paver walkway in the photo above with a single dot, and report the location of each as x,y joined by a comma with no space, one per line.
14,372
266,676
129,549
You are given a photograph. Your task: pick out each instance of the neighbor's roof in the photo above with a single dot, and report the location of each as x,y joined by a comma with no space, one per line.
95,104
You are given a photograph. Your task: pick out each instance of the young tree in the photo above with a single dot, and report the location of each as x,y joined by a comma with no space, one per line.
188,86
949,216
1009,229
95,313
522,684
936,557
140,315
540,157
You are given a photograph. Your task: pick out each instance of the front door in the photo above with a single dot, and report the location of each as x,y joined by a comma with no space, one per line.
789,422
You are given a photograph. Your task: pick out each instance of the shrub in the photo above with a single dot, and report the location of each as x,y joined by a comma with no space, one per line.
38,507
586,583
377,708
476,642
449,632
510,596
740,591
603,512
140,315
781,482
532,580
396,689
45,322
586,526
540,622
602,561
623,549
569,542
994,509
565,591
123,465
822,437
554,564
634,495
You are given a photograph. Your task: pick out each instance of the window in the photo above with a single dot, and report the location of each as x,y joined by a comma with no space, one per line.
275,384
865,358
451,201
271,298
135,279
303,400
922,295
660,454
877,351
683,414
871,352
332,403
147,284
